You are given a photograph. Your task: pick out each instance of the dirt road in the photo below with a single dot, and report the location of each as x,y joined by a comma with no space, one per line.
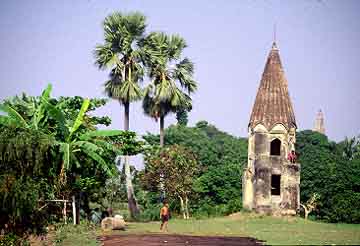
175,240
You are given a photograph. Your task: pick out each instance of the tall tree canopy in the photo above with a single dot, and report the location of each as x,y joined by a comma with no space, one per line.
171,76
175,168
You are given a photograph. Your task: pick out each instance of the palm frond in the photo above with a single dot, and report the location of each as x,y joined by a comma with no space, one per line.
130,91
105,57
176,45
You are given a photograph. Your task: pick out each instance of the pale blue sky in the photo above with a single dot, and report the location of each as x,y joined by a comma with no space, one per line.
319,41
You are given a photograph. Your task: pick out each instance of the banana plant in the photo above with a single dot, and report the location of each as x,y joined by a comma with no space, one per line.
71,141
37,111
74,143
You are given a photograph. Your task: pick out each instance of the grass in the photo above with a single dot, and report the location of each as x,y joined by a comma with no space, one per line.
272,230
79,235
290,230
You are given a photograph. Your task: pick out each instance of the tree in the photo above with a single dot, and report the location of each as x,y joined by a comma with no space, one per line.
327,172
169,74
175,168
351,147
311,204
120,53
221,158
182,116
41,137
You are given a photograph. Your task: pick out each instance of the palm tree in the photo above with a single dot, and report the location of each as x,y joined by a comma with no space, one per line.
120,54
172,77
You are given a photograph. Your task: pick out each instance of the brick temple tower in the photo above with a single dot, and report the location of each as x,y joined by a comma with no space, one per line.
271,183
319,122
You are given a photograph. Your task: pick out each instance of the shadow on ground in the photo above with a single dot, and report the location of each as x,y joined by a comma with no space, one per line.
172,240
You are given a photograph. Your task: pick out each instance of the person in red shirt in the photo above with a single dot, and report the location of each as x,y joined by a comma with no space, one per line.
292,156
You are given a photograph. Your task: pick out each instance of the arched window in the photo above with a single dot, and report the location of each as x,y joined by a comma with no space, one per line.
275,147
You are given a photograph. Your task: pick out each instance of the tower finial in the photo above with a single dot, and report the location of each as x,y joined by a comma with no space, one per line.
275,33
274,41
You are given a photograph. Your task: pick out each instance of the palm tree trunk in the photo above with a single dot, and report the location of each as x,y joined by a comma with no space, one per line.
132,203
126,116
162,131
162,187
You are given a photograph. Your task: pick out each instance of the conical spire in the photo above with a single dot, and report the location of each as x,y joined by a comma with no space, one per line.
272,104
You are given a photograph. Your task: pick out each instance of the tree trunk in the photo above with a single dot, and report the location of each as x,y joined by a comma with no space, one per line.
182,207
162,131
306,211
77,209
187,207
132,203
126,116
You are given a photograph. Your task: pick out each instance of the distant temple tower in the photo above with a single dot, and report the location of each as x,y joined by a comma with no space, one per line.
319,122
271,183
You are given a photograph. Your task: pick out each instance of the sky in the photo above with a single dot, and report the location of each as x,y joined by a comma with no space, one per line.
51,41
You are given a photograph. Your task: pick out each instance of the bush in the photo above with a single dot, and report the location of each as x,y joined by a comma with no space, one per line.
19,206
11,239
345,208
151,213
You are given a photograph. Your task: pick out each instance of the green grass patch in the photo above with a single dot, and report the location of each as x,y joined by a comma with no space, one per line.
273,230
79,235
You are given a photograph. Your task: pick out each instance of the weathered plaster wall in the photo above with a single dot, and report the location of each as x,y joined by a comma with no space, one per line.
261,165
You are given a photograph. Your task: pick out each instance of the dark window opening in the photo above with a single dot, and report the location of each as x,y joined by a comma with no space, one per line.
275,147
275,185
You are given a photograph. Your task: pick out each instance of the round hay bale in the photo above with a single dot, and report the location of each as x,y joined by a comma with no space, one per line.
118,223
107,224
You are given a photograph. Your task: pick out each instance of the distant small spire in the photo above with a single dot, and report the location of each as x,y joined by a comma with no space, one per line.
319,122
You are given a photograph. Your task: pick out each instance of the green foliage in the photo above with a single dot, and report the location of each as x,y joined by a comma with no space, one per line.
219,185
121,55
221,158
83,234
60,139
171,76
334,176
172,167
182,117
12,239
345,207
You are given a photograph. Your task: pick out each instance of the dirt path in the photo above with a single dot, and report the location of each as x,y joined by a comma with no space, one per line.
175,240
